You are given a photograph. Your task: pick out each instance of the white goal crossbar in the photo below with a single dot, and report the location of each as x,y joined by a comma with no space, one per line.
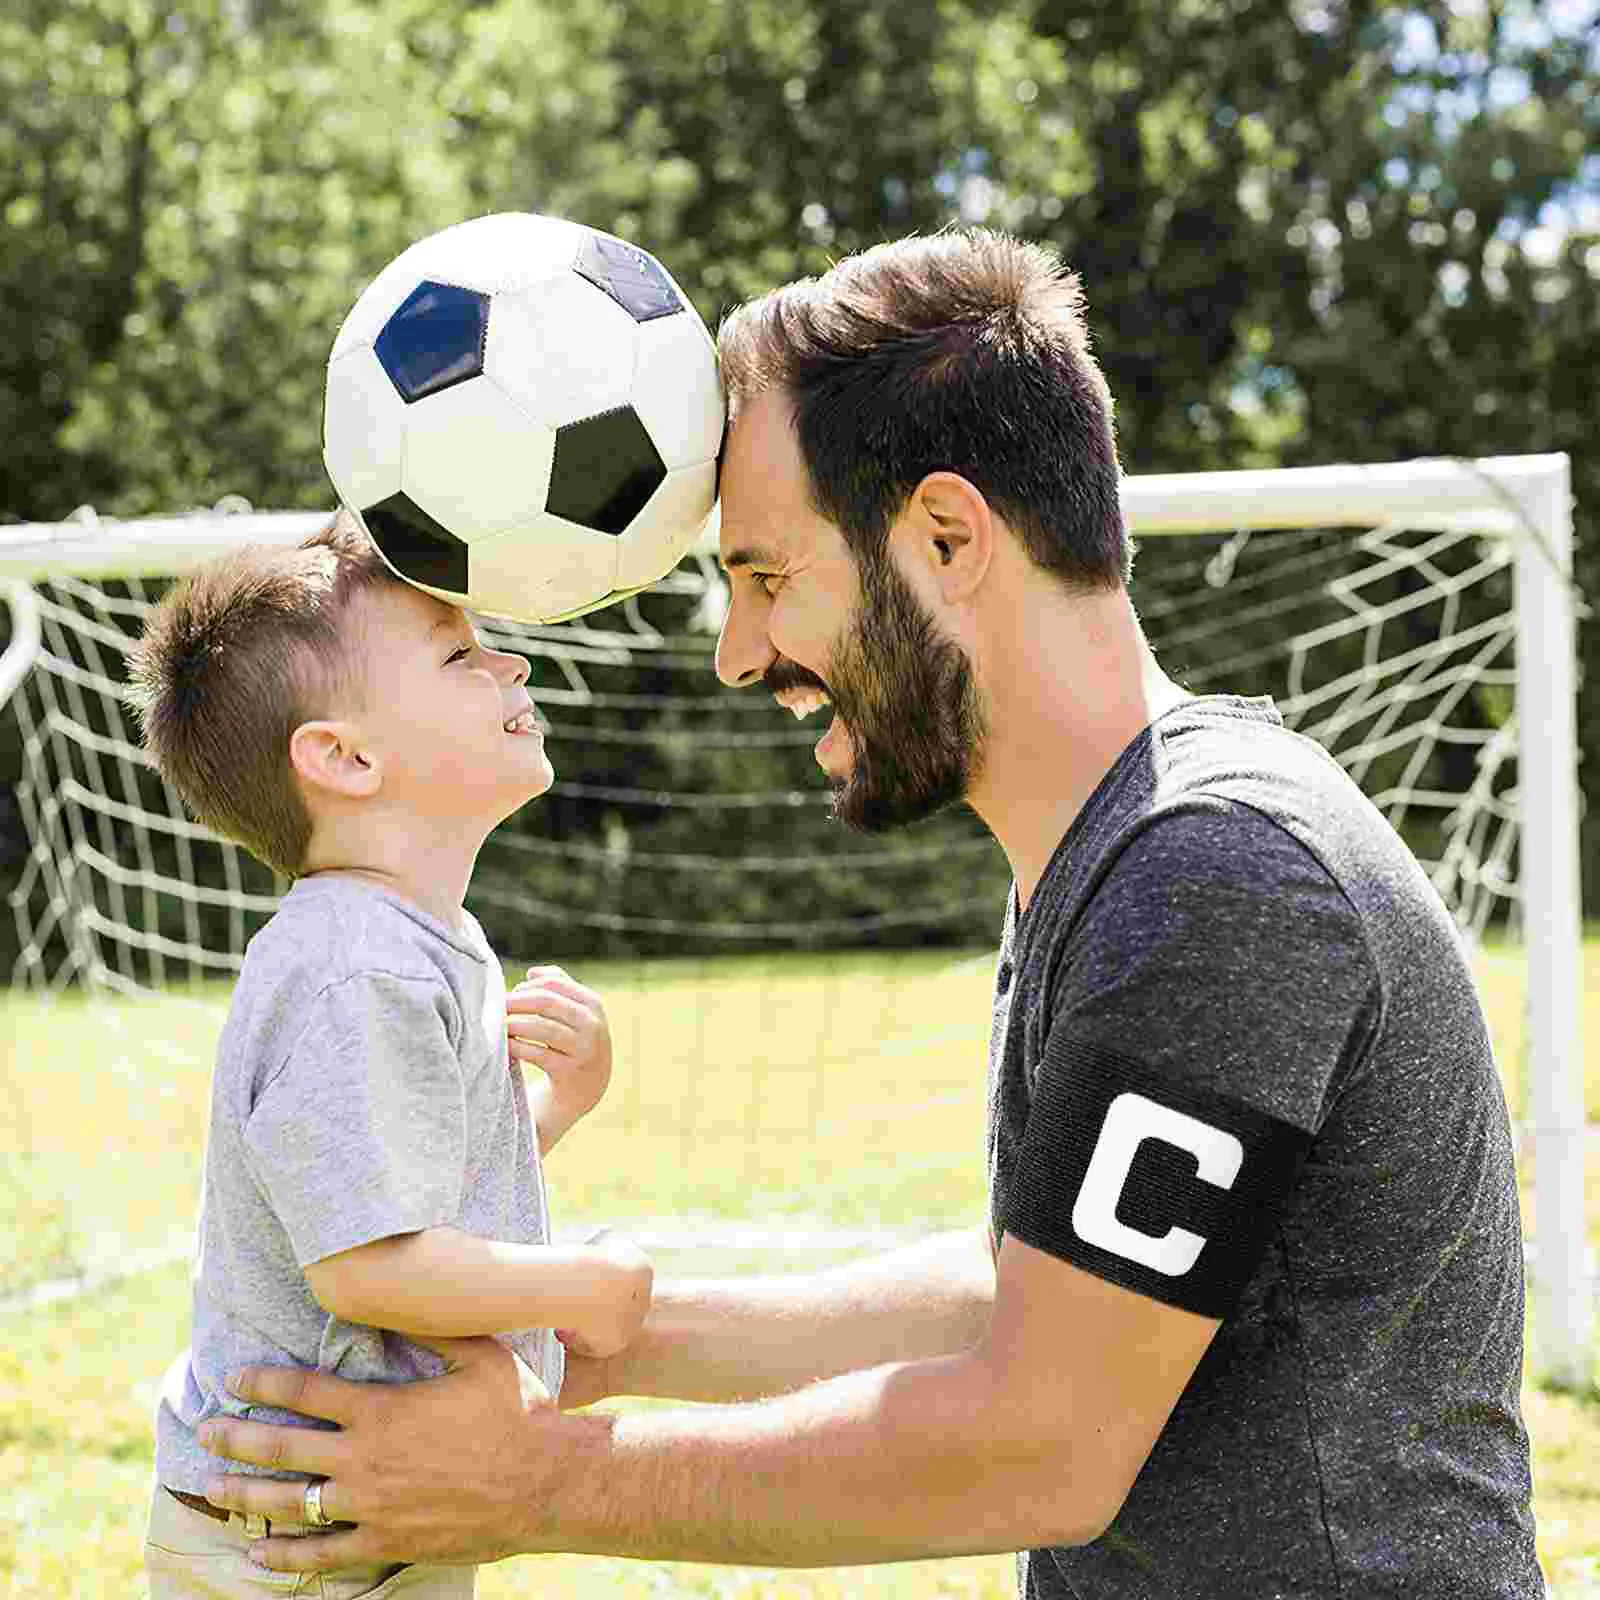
1523,502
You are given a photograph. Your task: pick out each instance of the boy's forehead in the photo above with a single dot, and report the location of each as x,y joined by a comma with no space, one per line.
416,611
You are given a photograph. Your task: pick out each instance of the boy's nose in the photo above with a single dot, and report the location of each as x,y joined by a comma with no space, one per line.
512,666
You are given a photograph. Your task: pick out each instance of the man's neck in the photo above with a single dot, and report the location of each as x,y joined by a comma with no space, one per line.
1066,695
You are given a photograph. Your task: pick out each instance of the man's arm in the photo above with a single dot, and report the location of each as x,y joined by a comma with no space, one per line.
743,1338
443,1283
1033,1436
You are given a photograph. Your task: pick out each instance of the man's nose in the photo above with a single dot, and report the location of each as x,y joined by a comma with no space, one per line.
744,652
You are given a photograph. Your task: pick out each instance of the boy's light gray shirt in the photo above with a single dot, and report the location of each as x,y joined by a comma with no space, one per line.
362,1089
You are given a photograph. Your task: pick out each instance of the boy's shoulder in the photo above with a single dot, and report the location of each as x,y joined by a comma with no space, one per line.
339,949
327,931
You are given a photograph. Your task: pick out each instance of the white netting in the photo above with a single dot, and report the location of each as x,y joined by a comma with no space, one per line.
1394,649
689,819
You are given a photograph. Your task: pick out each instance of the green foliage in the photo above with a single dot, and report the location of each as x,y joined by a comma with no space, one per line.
195,198
1308,231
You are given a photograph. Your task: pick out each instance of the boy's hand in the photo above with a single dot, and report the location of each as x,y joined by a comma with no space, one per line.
556,1024
622,1299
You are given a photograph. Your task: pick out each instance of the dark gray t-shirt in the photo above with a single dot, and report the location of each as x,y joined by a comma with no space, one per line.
362,1089
1238,1064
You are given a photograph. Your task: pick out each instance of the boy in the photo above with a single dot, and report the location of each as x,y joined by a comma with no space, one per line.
373,1160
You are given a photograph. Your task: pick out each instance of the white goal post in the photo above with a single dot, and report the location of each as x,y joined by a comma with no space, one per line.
1504,514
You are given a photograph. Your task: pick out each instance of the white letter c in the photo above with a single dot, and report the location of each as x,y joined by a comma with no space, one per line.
1130,1120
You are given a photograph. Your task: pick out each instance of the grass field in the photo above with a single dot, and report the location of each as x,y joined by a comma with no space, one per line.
828,1100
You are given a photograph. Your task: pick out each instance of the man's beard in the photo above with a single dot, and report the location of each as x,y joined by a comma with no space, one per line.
908,703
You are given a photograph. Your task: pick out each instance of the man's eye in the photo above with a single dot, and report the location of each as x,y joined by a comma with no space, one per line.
766,582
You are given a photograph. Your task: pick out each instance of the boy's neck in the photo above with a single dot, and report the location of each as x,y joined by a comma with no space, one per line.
430,867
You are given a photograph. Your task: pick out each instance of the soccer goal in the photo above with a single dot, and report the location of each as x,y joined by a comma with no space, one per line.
1416,618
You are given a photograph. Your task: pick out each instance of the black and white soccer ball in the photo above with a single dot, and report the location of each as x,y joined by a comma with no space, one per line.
525,415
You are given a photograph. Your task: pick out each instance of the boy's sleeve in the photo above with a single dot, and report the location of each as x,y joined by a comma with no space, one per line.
1204,1011
361,1134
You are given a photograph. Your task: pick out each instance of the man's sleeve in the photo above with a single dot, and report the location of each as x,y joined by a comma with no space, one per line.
361,1134
1204,1012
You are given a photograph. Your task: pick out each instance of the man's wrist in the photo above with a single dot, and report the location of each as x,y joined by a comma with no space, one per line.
563,1459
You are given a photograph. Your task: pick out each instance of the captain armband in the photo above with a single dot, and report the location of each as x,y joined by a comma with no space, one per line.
1165,1189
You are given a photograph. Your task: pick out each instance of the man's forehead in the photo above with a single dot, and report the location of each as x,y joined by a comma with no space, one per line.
760,444
763,490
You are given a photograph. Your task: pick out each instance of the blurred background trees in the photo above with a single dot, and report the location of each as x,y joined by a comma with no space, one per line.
1310,230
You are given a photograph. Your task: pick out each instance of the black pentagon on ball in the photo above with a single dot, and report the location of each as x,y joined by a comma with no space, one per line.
605,469
631,276
415,545
435,339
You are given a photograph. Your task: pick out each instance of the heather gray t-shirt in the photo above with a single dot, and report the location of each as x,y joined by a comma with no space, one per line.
362,1089
1238,1064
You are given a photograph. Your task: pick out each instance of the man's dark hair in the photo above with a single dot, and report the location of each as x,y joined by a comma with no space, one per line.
233,659
964,352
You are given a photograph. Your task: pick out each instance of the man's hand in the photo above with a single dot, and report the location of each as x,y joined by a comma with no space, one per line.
436,1471
557,1024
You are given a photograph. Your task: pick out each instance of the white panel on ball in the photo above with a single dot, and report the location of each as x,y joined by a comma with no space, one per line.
665,531
474,459
582,361
510,353
677,390
502,252
363,453
543,569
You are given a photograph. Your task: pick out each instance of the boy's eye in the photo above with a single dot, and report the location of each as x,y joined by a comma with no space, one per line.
460,653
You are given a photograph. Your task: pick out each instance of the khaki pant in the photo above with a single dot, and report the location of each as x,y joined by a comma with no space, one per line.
189,1556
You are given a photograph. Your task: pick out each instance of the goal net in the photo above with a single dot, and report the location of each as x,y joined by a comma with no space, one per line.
1415,619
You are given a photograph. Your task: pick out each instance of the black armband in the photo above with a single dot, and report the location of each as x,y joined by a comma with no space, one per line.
1164,1188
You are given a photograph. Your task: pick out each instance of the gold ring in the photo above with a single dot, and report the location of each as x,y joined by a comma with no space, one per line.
311,1502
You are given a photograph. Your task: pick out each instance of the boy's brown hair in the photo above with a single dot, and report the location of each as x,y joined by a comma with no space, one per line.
965,352
234,659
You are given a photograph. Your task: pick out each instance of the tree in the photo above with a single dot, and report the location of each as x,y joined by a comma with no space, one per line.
1310,230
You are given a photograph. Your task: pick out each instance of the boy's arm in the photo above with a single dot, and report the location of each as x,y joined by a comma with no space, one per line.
558,1025
552,1116
445,1283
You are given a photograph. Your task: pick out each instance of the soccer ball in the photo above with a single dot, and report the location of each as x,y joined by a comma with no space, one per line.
525,415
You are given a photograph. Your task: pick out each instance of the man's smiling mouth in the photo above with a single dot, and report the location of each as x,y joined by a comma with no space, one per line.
804,702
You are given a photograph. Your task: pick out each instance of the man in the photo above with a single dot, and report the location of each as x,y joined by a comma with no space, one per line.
1247,1316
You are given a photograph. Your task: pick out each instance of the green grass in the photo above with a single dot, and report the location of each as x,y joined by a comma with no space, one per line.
841,1091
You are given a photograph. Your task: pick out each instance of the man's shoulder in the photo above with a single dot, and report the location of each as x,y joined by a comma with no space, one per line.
1209,771
1222,775
1218,803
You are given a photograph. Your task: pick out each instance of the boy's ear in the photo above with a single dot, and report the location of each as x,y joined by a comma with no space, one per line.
333,757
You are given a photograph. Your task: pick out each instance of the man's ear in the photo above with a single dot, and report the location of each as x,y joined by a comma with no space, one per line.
951,533
333,757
